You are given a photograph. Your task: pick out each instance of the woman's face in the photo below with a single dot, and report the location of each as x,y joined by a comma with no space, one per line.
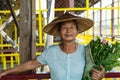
68,31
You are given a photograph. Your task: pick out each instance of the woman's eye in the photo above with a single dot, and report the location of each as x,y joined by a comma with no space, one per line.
64,27
73,27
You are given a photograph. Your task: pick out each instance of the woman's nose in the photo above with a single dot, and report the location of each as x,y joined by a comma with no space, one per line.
68,30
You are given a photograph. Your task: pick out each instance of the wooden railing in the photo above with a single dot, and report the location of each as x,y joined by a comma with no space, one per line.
112,75
26,76
46,76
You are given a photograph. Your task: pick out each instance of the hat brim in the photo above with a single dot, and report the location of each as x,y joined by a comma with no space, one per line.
83,24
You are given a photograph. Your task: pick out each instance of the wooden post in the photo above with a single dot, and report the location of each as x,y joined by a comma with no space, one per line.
101,19
27,30
33,47
112,22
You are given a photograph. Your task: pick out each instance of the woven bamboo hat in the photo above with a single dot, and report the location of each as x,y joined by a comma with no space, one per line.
82,23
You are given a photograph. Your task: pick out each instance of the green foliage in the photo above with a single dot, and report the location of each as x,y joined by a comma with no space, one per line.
105,54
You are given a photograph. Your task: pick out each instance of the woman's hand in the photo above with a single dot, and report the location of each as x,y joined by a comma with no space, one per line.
98,75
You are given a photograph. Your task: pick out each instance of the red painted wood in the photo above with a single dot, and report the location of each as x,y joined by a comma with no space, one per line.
26,76
46,76
112,75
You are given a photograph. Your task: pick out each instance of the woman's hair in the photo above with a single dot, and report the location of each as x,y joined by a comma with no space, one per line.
60,24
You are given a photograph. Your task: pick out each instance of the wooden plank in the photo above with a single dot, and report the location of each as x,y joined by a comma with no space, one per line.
26,30
26,76
46,76
33,47
112,75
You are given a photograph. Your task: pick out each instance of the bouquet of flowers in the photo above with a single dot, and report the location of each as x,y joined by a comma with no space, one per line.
105,54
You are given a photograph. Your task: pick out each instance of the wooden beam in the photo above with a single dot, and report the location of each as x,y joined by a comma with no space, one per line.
33,47
47,76
27,31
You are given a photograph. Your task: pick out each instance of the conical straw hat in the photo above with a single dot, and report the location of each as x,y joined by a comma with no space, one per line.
82,23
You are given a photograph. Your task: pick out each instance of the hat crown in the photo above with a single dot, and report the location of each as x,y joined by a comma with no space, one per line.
66,16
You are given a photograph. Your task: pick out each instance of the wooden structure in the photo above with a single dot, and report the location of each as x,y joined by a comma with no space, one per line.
46,76
27,30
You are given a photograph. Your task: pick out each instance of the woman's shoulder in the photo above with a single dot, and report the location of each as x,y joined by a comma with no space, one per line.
50,49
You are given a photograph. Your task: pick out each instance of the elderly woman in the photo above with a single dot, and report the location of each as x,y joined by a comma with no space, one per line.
67,60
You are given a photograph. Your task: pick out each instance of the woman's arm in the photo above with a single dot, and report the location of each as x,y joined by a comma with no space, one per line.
32,64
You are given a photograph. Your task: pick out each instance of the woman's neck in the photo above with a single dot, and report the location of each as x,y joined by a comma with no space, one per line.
68,47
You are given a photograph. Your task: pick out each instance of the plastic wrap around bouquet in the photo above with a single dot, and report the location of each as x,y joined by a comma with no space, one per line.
102,53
